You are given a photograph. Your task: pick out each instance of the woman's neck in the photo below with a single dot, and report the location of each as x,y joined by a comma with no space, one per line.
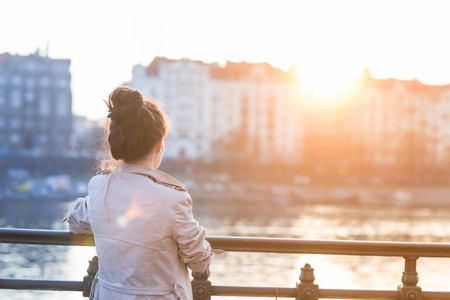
149,161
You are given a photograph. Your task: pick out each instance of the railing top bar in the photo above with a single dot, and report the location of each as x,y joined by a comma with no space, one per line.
44,237
337,247
251,244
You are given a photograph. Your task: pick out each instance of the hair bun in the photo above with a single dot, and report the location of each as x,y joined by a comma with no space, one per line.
124,106
136,126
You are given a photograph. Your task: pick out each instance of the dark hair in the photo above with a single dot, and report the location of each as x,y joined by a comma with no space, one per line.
135,126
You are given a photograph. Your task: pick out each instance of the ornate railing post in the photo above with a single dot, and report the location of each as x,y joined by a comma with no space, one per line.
306,289
409,290
201,286
87,280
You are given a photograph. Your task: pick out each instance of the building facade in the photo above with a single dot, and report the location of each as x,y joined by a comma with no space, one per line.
234,111
403,122
255,110
35,105
381,127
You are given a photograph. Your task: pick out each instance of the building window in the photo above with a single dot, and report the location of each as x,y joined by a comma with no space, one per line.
2,79
16,80
62,83
15,98
29,97
62,104
62,108
2,122
44,82
14,139
44,107
30,83
60,68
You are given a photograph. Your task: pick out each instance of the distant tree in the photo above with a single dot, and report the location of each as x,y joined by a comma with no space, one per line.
238,146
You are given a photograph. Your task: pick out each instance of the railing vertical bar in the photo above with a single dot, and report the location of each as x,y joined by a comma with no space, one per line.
201,286
409,290
307,289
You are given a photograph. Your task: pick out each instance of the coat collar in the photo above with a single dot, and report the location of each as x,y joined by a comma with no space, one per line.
156,175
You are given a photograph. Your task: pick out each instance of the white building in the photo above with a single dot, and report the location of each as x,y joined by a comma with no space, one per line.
403,120
252,108
441,127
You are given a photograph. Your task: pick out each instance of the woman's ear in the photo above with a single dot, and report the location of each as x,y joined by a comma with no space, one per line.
159,145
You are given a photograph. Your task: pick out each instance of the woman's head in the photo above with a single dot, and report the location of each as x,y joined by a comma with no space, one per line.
136,125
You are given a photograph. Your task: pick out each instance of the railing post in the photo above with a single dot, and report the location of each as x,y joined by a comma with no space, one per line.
201,286
409,290
87,280
306,289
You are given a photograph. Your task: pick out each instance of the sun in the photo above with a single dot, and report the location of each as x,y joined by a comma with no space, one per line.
326,86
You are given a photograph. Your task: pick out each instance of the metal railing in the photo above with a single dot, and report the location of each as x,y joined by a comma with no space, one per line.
306,289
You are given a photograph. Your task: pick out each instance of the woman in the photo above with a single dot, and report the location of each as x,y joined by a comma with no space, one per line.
141,218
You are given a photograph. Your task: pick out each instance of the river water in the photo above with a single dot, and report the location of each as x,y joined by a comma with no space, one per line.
331,221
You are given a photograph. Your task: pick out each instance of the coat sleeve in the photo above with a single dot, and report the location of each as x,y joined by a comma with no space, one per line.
194,249
78,217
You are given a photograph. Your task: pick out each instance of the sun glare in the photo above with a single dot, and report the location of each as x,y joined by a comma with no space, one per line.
327,85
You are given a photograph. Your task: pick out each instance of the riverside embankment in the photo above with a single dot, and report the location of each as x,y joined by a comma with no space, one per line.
429,196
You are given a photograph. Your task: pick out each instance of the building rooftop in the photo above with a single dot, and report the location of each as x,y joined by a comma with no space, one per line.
366,80
233,70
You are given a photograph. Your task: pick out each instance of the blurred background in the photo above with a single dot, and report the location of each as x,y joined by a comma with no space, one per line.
298,119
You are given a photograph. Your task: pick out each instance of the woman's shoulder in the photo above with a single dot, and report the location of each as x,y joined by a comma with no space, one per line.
99,177
170,190
104,172
157,177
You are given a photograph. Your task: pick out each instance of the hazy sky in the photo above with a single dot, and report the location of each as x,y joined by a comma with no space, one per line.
330,42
